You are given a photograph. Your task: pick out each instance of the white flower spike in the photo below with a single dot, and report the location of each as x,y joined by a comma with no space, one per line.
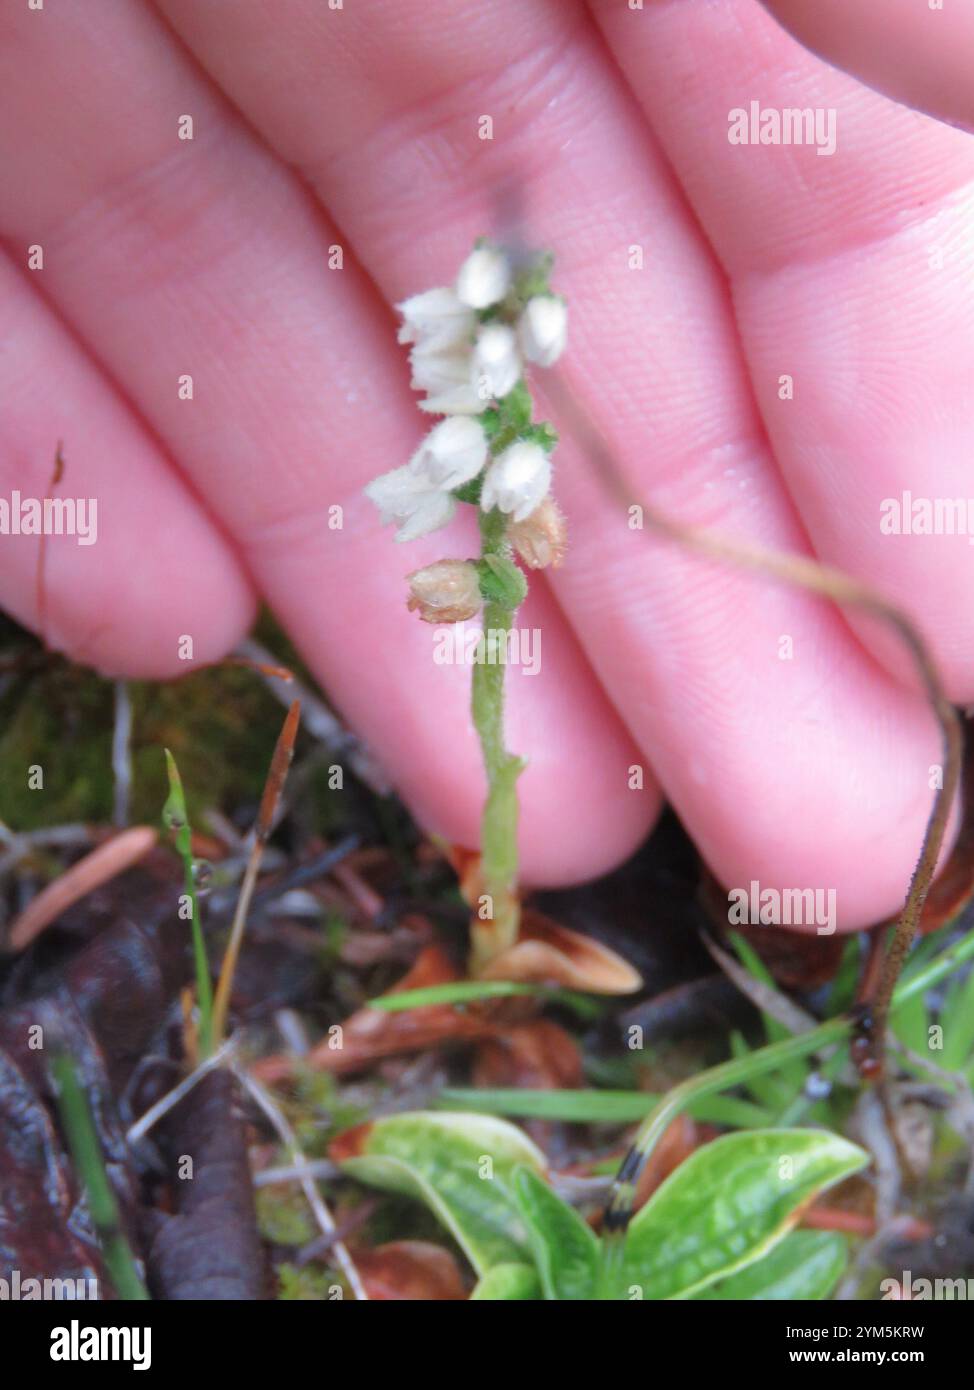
543,329
518,480
468,345
484,279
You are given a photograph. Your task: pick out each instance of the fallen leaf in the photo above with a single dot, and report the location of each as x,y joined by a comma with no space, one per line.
410,1269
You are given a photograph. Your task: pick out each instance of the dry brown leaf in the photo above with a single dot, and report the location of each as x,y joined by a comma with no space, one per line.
410,1269
547,953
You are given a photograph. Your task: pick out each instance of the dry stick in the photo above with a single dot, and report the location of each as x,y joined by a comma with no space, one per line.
316,1202
122,754
39,585
162,1106
803,573
318,718
280,762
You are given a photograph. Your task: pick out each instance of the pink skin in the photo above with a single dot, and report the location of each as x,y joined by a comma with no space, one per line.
210,257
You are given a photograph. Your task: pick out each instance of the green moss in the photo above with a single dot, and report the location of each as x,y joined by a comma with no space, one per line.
283,1216
221,724
307,1285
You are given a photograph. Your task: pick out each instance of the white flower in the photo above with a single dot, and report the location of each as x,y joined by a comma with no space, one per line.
496,363
542,329
439,371
484,278
452,453
407,497
437,320
517,480
448,377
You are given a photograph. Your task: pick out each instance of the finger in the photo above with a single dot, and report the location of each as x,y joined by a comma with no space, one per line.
213,248
922,54
784,769
100,593
852,283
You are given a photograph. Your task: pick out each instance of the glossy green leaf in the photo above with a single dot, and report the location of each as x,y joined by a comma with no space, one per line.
805,1266
727,1205
462,1167
508,1283
566,1252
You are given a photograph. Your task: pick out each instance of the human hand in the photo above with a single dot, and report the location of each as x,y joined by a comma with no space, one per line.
316,128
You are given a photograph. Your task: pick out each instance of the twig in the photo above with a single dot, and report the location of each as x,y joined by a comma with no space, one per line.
40,586
318,719
24,843
315,1168
316,1202
763,996
122,753
154,1114
276,776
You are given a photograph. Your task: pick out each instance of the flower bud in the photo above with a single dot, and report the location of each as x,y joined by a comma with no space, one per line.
496,363
448,591
541,538
543,329
484,278
517,480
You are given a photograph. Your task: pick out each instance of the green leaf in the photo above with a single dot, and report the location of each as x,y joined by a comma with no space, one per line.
767,1089
911,1023
442,1159
501,581
591,1106
957,1020
566,1252
728,1204
508,1282
805,1266
457,992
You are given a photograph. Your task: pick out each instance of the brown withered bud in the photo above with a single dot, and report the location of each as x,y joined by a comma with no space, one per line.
448,591
541,539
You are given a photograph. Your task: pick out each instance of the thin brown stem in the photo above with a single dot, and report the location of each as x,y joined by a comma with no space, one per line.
800,572
274,785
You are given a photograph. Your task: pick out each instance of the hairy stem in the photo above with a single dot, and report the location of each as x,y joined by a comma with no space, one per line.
495,927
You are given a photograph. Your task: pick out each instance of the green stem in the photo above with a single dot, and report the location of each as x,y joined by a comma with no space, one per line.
79,1128
495,932
175,817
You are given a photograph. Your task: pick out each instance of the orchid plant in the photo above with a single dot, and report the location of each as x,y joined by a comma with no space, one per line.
468,349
